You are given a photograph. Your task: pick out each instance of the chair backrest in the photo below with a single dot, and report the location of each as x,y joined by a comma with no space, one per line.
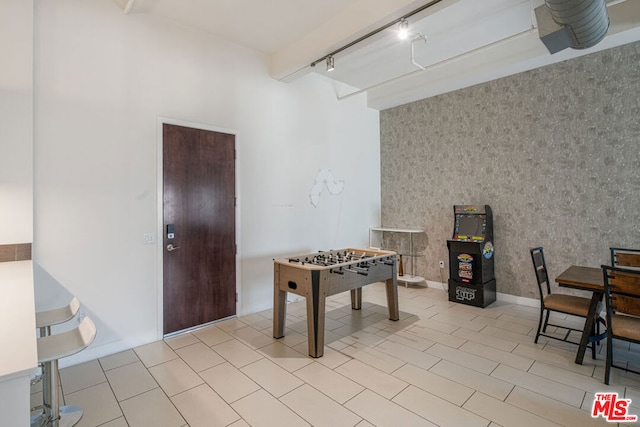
540,267
622,290
626,258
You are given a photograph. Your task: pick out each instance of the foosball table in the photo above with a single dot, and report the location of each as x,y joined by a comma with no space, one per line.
322,274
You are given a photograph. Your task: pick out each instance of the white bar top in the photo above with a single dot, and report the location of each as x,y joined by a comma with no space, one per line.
19,354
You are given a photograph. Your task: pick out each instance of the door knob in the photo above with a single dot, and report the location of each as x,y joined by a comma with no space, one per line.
172,248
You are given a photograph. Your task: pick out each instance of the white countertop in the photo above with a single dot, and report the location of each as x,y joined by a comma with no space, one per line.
19,354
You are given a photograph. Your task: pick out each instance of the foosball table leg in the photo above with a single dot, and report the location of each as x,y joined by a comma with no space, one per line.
279,306
356,298
316,305
392,298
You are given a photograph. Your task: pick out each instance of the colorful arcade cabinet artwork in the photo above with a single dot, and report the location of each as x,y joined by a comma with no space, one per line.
471,276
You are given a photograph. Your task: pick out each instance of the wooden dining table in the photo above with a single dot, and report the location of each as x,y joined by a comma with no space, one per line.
585,279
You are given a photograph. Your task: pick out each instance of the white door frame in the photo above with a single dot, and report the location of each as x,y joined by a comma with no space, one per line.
160,217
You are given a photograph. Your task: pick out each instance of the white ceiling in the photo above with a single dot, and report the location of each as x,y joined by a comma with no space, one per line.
467,41
263,25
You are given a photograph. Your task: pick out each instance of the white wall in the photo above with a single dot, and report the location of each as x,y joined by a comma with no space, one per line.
102,78
16,112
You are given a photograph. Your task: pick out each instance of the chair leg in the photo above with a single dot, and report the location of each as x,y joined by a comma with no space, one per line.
54,392
55,415
593,344
546,321
42,419
539,325
607,369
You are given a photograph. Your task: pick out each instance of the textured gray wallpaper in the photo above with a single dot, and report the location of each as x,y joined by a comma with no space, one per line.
554,151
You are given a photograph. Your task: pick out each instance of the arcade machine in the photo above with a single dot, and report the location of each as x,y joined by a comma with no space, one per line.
471,276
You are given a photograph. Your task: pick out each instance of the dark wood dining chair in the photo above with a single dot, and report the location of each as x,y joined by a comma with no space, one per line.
625,258
622,299
561,303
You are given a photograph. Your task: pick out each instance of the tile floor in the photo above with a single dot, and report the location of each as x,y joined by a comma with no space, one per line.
442,364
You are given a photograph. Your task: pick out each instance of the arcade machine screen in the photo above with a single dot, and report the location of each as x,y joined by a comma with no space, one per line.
470,227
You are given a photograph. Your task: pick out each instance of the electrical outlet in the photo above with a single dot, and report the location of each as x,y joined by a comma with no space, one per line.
441,264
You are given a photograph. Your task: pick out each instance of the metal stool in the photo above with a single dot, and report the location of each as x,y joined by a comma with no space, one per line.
44,321
50,349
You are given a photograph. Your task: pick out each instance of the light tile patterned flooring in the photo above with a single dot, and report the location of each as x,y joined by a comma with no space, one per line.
442,364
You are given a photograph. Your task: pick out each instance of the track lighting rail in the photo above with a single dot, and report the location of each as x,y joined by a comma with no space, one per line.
374,32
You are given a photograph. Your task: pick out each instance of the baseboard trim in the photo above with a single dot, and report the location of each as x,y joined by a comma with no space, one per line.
513,299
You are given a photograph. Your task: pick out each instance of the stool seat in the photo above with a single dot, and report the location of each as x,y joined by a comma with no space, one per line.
65,344
57,315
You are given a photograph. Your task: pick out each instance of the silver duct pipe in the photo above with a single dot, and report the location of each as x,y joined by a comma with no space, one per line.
587,19
579,24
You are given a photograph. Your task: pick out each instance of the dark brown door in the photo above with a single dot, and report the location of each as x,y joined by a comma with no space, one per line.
199,260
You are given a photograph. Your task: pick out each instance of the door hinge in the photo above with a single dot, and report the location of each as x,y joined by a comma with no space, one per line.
236,297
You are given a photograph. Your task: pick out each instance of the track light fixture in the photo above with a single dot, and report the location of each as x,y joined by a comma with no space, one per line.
330,63
403,32
403,29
